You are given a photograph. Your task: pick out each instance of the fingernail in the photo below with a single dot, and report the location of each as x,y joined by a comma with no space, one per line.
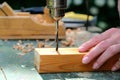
85,60
81,48
114,69
95,66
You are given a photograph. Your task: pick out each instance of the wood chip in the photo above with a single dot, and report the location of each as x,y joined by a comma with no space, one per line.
40,44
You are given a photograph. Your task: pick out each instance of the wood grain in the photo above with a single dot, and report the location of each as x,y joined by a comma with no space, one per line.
47,60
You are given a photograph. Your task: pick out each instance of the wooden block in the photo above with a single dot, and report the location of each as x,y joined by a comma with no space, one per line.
47,60
7,9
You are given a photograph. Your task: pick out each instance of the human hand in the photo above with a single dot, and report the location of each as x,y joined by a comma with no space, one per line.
106,45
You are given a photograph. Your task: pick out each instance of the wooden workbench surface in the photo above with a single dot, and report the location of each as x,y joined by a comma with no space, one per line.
21,67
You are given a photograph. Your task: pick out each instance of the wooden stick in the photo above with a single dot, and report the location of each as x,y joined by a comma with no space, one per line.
47,60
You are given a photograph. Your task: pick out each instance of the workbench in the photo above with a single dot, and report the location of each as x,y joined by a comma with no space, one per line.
21,67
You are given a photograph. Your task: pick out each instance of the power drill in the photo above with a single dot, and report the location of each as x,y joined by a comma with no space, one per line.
57,11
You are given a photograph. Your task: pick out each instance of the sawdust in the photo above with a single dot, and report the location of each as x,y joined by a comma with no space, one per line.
23,48
75,37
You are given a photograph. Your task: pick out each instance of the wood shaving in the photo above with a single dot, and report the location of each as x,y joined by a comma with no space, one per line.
40,44
23,48
70,38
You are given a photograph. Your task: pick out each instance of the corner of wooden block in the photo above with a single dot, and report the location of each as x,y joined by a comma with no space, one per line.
37,60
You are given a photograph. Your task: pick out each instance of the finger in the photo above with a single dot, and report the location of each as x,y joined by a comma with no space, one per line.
97,50
96,39
111,51
116,66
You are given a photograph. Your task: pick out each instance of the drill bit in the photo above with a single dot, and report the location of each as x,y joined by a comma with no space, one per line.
57,36
57,11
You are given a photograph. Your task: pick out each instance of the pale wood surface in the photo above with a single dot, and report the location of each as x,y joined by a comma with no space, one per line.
66,60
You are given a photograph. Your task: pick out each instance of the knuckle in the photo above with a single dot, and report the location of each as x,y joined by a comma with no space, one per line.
96,38
103,44
112,49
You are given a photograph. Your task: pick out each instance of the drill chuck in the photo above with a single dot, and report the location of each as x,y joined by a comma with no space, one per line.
57,8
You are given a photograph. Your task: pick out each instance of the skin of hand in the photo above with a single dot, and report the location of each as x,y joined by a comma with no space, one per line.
106,45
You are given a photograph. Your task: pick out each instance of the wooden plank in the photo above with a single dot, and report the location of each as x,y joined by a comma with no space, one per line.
48,60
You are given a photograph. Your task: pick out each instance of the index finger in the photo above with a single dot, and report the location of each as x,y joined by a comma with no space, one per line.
96,39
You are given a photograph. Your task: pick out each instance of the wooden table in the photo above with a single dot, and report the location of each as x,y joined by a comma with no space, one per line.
16,67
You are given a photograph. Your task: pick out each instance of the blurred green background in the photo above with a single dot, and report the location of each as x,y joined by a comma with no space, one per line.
105,10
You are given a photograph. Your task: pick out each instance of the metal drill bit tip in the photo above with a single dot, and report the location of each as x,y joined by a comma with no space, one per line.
57,29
